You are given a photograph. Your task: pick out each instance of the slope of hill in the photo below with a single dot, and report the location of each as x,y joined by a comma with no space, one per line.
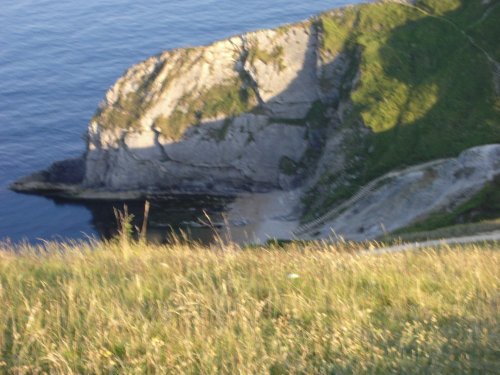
423,87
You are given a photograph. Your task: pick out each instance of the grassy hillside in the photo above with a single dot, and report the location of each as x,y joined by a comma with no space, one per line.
123,307
423,85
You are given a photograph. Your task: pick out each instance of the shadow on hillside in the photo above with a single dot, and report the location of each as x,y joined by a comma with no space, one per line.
437,65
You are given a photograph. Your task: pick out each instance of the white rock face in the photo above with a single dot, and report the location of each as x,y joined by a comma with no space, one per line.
244,154
225,153
412,194
288,85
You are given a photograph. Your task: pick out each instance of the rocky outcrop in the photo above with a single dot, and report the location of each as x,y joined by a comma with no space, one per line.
224,118
230,104
401,198
216,119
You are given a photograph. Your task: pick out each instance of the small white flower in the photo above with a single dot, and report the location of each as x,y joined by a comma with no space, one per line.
292,276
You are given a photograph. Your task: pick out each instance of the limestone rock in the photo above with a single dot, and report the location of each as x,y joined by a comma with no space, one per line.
412,194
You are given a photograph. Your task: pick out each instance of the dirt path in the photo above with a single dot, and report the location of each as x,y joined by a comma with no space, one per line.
492,236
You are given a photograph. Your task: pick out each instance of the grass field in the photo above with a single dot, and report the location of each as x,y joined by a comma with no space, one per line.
129,307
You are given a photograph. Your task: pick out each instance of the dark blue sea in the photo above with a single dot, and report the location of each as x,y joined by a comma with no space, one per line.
57,59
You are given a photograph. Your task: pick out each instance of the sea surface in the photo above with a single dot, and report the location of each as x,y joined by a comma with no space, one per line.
57,59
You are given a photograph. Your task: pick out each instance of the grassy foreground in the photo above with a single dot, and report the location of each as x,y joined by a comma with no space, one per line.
121,307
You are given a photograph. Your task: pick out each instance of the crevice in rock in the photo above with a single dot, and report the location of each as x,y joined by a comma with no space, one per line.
245,72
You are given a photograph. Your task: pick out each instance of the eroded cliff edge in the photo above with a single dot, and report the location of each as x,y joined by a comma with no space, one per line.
325,105
233,116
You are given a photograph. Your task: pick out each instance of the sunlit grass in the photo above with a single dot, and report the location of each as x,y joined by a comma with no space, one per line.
125,307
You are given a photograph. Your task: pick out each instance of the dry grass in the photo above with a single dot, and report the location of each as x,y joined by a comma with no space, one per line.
125,307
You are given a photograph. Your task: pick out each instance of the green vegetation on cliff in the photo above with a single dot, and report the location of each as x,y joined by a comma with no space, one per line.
423,87
124,307
227,100
128,109
274,57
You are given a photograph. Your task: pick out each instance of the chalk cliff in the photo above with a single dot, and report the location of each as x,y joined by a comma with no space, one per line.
208,119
